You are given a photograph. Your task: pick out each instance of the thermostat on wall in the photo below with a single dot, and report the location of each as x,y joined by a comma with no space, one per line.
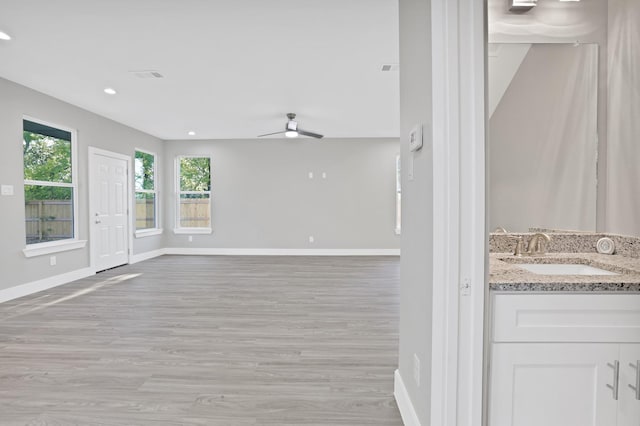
415,138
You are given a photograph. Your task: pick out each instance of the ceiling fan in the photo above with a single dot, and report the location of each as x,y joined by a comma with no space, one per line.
292,130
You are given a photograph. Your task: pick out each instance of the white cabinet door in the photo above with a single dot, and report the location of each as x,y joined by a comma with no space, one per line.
552,384
629,399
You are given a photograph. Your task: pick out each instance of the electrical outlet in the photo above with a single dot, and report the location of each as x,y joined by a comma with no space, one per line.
190,238
324,175
52,261
310,175
311,239
416,369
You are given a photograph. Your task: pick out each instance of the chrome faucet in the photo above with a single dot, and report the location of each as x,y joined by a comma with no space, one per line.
536,246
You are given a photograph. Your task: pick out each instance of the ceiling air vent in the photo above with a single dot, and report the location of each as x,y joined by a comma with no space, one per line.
147,74
390,67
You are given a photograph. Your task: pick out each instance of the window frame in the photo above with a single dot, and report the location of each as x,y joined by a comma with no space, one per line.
47,247
192,230
156,230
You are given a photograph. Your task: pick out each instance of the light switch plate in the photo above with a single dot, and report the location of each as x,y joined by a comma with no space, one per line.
6,189
415,138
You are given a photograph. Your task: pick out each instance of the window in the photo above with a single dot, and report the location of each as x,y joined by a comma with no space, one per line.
194,195
398,197
146,192
50,192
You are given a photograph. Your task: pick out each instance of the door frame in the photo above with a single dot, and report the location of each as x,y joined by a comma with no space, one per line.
92,233
460,265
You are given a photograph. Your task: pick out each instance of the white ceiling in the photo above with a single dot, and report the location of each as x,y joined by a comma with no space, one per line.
232,69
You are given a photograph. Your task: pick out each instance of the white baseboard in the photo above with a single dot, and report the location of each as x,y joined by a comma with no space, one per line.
408,413
280,252
146,255
44,284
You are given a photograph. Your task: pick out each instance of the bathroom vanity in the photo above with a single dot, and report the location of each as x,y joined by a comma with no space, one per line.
564,343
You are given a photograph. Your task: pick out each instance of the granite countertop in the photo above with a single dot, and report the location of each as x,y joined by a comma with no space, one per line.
506,276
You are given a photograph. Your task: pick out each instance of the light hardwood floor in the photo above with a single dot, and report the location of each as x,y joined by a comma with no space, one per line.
207,340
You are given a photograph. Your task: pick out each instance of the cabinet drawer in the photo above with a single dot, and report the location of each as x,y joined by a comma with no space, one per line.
566,318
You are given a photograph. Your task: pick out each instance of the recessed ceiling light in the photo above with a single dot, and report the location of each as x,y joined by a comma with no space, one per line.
110,91
4,36
191,133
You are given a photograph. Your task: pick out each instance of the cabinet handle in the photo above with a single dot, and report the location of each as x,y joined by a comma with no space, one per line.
616,370
636,388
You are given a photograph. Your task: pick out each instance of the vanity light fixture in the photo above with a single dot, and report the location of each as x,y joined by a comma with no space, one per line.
522,5
110,91
4,36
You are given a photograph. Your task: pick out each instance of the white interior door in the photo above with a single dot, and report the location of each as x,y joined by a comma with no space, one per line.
109,209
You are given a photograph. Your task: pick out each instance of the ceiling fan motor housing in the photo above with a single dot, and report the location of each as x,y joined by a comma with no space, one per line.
292,126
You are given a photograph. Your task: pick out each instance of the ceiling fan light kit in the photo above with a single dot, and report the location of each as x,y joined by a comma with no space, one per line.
292,130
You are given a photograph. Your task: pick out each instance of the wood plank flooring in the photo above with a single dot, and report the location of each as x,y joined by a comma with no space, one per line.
207,340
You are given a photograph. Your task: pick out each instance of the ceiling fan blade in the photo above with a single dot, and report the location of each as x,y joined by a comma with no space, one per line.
269,134
311,134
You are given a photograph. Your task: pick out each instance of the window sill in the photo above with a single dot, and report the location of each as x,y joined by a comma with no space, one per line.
54,247
192,231
148,232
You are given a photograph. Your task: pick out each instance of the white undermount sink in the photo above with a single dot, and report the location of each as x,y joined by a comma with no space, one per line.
563,269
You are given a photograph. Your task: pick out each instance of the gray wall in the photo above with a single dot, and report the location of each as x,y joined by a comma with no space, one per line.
92,130
263,197
416,263
623,173
543,142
